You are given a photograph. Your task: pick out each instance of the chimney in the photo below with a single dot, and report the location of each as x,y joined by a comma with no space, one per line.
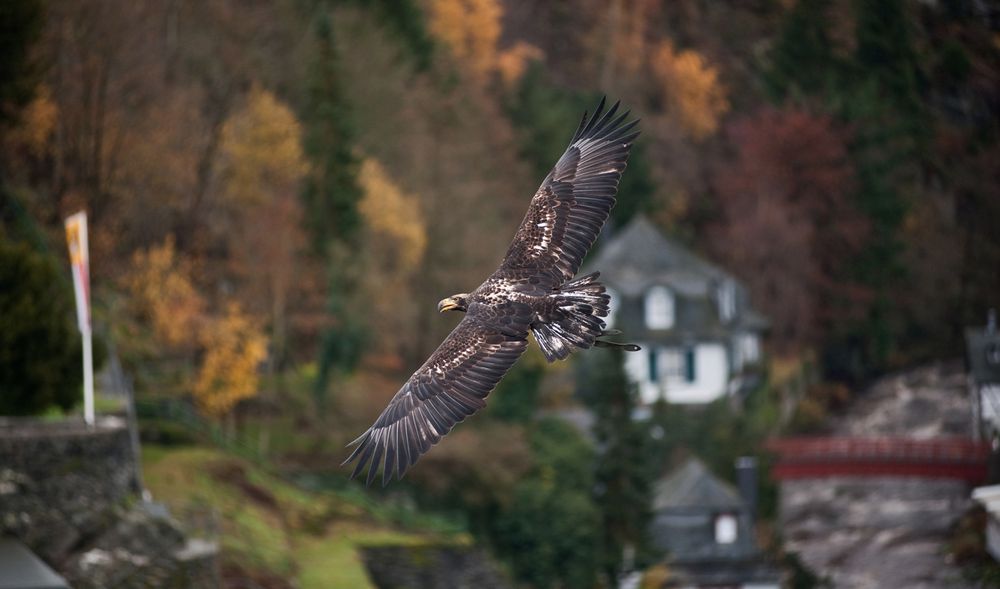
746,480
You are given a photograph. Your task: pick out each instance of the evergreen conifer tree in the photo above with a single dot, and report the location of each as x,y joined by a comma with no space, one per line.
330,202
622,477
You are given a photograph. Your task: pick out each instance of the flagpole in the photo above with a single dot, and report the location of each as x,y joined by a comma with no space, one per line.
88,378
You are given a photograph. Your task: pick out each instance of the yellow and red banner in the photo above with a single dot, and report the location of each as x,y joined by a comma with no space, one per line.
76,238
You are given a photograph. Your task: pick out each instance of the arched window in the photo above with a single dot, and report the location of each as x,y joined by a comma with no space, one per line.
727,301
726,528
659,306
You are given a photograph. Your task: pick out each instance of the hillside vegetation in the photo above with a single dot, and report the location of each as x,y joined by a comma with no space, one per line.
278,194
273,531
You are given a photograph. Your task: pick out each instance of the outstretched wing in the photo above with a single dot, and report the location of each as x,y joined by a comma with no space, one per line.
450,386
573,202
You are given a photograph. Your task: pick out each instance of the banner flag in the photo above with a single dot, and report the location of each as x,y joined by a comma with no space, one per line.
76,238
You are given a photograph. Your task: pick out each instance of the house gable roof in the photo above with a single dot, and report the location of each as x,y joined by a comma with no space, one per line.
641,256
693,486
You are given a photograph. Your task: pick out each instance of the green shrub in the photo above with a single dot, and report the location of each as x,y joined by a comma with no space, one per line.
165,432
40,348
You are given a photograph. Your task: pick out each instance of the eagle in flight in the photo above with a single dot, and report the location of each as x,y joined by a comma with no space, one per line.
533,290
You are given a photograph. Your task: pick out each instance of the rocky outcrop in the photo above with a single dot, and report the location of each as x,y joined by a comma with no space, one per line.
886,531
874,532
432,567
71,494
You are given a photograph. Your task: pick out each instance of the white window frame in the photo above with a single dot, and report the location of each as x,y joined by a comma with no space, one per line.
751,348
659,309
727,301
727,528
672,364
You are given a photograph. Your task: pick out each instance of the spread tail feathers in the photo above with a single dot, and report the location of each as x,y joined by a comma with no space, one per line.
576,319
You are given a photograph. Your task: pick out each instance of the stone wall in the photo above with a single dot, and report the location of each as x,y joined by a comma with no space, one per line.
432,567
71,494
61,481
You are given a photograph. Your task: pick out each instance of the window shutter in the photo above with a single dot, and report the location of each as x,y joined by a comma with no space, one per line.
654,372
689,373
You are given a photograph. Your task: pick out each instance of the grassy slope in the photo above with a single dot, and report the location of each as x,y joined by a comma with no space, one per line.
269,526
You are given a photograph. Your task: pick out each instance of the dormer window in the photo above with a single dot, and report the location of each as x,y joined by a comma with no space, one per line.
727,301
659,306
726,528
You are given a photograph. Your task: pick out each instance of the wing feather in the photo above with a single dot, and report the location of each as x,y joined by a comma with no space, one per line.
574,201
450,386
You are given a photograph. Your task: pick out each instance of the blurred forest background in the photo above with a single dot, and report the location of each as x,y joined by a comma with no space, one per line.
280,192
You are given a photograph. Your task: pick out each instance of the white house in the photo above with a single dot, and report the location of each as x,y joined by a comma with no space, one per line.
698,333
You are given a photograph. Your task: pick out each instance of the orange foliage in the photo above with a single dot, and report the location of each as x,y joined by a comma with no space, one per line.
513,62
691,89
234,347
392,214
263,164
38,120
397,240
163,293
262,147
624,38
471,29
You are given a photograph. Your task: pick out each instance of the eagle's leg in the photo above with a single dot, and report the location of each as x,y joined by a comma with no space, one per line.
606,344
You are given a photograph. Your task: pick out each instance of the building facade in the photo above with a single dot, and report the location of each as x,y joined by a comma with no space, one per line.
700,337
705,530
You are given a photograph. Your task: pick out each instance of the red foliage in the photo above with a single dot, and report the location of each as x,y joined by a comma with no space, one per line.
787,224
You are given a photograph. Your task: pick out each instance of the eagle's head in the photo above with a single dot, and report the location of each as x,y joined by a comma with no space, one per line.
458,302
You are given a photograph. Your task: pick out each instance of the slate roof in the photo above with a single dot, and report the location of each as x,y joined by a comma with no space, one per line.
685,504
641,256
694,486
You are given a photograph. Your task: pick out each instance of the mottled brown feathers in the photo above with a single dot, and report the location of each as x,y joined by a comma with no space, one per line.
528,292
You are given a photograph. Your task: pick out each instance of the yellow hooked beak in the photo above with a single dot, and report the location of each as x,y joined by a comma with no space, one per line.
448,304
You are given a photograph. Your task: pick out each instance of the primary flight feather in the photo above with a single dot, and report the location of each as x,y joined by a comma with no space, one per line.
533,290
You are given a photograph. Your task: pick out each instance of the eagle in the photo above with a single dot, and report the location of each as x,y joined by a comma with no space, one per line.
533,290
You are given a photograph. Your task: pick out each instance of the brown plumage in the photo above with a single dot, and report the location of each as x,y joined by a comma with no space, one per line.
532,291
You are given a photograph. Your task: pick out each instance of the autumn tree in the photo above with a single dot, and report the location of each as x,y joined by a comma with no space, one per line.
233,348
396,237
163,295
470,29
32,133
871,84
262,168
406,20
624,38
789,227
513,63
690,88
